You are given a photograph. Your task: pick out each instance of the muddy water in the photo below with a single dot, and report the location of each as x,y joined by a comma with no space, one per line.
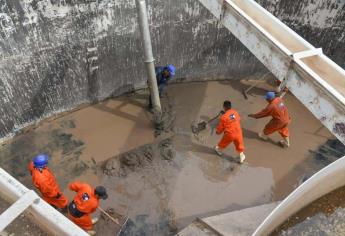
162,195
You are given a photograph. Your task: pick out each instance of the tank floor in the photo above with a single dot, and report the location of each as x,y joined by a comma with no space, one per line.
164,184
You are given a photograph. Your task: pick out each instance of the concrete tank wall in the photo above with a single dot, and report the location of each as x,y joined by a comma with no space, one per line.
321,22
58,54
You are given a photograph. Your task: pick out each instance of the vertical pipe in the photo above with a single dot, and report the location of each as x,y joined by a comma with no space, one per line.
148,55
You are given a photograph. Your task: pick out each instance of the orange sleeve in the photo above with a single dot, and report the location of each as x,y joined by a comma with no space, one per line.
220,126
265,112
75,186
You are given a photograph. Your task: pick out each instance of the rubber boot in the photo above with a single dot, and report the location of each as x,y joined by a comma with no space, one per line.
242,157
285,142
263,136
94,220
91,232
218,151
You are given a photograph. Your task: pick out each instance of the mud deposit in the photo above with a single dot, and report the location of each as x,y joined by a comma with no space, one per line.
106,226
138,158
163,180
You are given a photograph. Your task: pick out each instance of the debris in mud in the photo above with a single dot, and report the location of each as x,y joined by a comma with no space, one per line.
140,226
139,157
65,141
105,226
165,121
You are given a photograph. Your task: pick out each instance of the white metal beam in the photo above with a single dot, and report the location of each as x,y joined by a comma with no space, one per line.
17,208
310,75
43,214
315,187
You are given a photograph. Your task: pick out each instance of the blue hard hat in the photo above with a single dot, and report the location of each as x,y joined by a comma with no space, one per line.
270,95
171,69
41,160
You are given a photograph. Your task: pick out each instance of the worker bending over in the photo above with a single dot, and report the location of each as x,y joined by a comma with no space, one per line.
229,124
45,182
85,202
280,119
163,75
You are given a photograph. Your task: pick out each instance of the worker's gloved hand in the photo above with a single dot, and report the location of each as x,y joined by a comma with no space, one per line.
58,196
221,112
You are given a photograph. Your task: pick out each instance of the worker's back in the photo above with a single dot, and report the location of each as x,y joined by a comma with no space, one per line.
44,180
279,110
85,199
231,122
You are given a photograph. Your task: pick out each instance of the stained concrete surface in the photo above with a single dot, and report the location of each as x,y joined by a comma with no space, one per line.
163,195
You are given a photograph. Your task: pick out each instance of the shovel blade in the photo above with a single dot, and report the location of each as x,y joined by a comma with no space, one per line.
199,127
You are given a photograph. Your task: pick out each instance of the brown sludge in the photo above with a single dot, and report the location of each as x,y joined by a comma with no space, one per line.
163,183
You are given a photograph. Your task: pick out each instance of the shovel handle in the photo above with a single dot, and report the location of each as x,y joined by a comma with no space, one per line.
213,118
110,217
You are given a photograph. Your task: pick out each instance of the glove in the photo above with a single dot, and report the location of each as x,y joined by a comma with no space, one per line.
58,196
222,112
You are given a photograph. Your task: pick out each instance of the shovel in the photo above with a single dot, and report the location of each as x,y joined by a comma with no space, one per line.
202,125
116,221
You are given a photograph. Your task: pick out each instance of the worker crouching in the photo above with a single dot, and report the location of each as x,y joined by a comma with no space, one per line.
85,203
229,124
45,182
280,119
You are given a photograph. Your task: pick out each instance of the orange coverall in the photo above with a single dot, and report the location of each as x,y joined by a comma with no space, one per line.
230,124
45,182
280,117
86,202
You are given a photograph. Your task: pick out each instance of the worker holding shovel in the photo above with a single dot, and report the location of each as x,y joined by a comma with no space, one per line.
85,203
45,182
280,119
229,124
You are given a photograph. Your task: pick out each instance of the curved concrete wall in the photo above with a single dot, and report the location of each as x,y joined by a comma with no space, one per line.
58,54
321,183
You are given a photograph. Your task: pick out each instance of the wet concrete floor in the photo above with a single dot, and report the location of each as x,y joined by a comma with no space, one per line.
165,195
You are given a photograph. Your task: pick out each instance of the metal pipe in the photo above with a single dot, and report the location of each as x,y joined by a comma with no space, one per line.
148,55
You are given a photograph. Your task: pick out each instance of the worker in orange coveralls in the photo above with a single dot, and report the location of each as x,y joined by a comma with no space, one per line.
229,124
45,182
280,119
85,202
